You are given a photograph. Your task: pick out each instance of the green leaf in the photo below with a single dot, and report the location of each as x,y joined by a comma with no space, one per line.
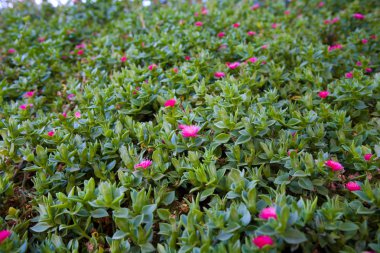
348,226
41,227
164,214
222,138
305,183
99,213
294,236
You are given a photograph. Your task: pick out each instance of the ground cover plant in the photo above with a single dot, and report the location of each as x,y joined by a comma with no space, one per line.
236,126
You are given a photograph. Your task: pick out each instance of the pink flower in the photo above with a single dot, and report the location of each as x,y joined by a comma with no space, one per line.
77,115
349,75
181,22
64,115
204,11
334,47
187,58
80,46
255,7
189,131
367,157
264,46
198,23
51,133
373,36
287,12
221,34
175,70
251,33
359,63
25,106
219,74
358,16
275,25
41,39
29,94
335,166
252,60
4,234
364,41
123,58
368,70
269,212
80,52
262,240
353,186
326,22
71,96
233,65
321,4
170,103
196,14
236,25
11,51
152,67
334,20
323,94
223,46
143,164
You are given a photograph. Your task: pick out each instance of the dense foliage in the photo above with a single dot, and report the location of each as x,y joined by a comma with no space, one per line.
232,127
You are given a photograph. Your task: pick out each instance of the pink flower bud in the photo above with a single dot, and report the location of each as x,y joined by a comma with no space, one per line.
51,133
349,75
335,166
358,16
29,94
198,23
323,94
364,41
4,234
221,34
359,63
367,157
170,103
152,67
251,33
252,60
143,164
287,12
219,74
77,115
321,4
264,46
11,51
368,70
236,25
187,58
353,186
175,70
80,52
255,7
123,58
269,212
262,240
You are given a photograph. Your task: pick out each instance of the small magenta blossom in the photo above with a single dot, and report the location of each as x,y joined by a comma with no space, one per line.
359,63
51,133
255,7
80,52
233,65
77,115
358,16
334,47
4,234
267,213
187,58
175,70
335,166
11,51
219,74
367,157
170,103
262,240
25,106
152,67
275,25
204,11
29,94
221,34
353,186
252,60
251,33
334,20
64,115
364,41
123,58
198,23
323,94
189,131
373,36
349,75
368,70
41,39
287,12
71,96
236,25
326,22
143,164
264,46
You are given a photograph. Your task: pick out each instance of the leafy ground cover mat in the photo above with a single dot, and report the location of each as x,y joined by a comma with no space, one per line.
236,126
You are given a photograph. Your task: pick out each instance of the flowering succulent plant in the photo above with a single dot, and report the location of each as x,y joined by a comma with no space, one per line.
226,126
